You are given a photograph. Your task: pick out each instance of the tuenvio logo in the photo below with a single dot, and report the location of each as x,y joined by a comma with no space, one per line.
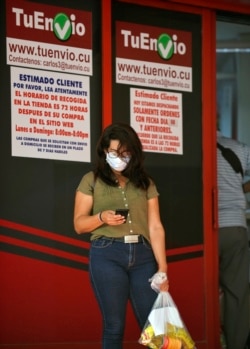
62,25
165,45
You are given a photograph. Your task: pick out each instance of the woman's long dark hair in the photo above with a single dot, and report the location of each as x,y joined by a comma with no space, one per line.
129,140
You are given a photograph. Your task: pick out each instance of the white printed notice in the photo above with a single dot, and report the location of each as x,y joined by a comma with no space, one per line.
50,116
157,118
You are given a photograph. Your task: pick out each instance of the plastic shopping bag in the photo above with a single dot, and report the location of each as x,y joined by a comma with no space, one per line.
164,328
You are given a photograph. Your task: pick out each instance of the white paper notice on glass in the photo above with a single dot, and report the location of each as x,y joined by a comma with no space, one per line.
159,317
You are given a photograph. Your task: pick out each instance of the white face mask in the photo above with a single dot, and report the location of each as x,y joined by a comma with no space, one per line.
117,163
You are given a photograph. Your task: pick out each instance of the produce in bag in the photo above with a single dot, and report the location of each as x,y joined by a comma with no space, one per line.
164,328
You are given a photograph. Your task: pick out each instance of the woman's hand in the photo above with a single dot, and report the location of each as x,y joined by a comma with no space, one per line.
159,282
109,217
164,287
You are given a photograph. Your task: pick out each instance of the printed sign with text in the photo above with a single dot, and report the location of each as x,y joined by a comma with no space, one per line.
153,57
157,118
50,115
49,37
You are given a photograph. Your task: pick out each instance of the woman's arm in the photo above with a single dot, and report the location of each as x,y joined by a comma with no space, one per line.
157,238
157,234
84,222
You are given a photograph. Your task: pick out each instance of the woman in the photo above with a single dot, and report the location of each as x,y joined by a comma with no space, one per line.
124,253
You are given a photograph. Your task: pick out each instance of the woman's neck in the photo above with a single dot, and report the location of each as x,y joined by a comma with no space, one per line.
122,180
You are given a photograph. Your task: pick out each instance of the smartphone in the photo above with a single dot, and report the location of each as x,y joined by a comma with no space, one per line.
123,212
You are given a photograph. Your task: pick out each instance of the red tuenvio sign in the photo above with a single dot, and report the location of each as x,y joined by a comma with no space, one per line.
49,24
153,44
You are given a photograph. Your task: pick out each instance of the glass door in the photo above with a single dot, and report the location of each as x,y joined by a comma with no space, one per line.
233,92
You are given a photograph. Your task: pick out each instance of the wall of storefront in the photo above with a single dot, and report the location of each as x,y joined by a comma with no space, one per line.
45,293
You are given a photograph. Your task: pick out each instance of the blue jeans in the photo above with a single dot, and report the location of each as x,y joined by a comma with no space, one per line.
119,272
